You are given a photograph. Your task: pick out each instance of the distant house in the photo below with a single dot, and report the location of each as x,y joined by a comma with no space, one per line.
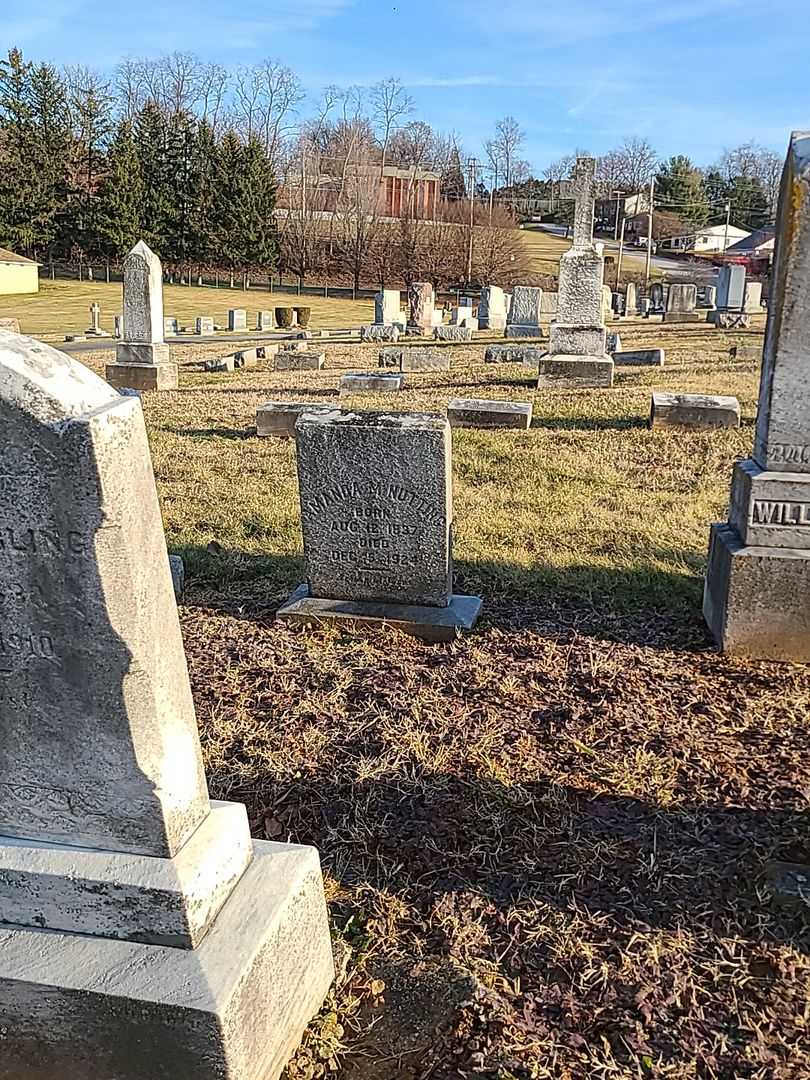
17,274
757,245
710,240
391,192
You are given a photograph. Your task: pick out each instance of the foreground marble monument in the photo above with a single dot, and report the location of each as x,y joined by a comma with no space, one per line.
145,936
578,335
377,514
142,358
758,578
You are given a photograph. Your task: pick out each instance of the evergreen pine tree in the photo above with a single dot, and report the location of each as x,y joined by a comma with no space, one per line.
679,187
121,196
453,187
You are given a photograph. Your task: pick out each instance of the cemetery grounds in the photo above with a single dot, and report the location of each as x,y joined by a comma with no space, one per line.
545,844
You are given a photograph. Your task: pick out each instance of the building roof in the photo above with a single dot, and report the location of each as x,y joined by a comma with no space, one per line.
7,256
757,239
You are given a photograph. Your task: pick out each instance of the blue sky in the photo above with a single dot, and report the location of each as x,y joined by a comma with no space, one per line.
692,76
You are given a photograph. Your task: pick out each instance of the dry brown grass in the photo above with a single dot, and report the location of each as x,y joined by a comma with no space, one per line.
544,844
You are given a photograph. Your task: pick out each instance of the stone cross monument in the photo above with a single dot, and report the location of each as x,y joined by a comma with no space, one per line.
145,935
577,343
758,579
142,358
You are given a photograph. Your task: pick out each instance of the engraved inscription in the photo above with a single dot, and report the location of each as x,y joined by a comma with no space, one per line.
789,453
31,645
780,513
57,808
36,541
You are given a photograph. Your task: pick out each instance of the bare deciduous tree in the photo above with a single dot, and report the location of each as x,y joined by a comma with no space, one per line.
389,104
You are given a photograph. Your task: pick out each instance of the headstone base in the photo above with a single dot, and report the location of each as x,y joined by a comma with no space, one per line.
754,599
96,1008
682,316
162,376
418,620
278,418
577,372
118,894
653,357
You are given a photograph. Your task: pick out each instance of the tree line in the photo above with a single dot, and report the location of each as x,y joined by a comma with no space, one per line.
219,169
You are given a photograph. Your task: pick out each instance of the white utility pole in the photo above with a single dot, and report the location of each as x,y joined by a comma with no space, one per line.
471,164
649,237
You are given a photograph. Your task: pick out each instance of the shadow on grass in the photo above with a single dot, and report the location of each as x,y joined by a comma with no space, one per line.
645,603
211,433
596,423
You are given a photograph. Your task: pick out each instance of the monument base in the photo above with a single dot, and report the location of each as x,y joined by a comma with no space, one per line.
754,598
93,1008
418,620
576,372
143,376
682,316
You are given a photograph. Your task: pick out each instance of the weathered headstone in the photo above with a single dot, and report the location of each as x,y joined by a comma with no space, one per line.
452,333
298,360
415,358
492,309
264,320
549,303
700,412
459,315
758,578
630,298
421,300
577,337
237,319
376,515
204,325
386,308
145,934
513,354
682,304
524,312
731,288
170,325
278,418
656,298
652,357
371,382
752,304
142,358
379,332
480,413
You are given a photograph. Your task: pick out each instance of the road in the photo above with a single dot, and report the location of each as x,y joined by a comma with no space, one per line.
671,268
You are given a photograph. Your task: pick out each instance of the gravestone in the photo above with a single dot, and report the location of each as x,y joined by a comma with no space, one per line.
264,320
94,329
524,312
298,360
700,412
758,578
204,325
651,357
461,314
416,358
421,300
118,326
380,332
142,358
170,325
376,515
682,304
630,299
752,304
371,382
453,333
514,354
577,337
492,309
237,319
731,288
386,307
656,298
549,303
150,937
481,413
278,418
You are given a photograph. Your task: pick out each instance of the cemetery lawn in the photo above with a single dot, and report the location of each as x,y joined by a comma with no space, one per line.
63,307
546,844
